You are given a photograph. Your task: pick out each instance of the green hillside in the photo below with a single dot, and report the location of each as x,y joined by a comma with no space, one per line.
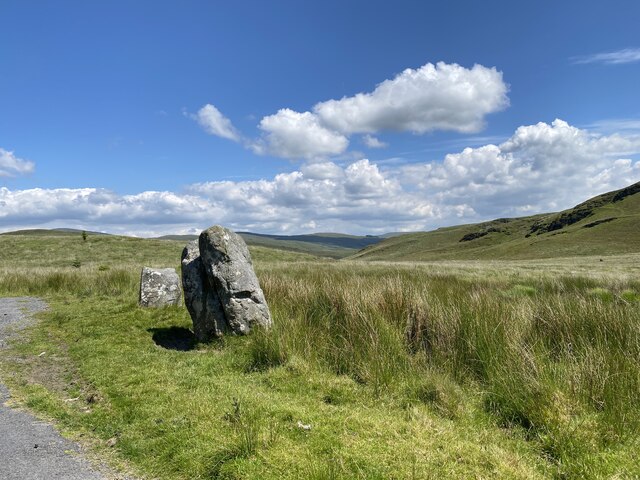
604,225
53,231
328,245
55,249
332,245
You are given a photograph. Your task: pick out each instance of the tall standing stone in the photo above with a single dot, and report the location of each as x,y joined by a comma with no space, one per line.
229,269
221,290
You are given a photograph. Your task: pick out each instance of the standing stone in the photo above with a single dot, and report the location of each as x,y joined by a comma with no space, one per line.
229,270
221,289
202,302
159,287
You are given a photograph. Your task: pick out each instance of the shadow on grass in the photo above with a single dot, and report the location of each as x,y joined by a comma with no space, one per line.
173,338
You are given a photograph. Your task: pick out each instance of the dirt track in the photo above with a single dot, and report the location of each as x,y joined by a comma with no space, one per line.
31,449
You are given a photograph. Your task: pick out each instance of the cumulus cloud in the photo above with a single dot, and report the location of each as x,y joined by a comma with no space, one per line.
215,123
11,166
373,142
626,55
322,171
147,213
358,198
432,97
324,196
540,168
295,135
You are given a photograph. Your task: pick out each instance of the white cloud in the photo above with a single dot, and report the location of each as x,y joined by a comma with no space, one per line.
358,198
147,213
540,168
322,171
373,142
626,55
620,125
432,97
10,165
364,180
295,135
215,123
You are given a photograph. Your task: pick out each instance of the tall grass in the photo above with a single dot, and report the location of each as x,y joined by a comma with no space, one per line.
69,281
553,358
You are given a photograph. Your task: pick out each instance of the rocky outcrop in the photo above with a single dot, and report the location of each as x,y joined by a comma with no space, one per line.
222,292
159,287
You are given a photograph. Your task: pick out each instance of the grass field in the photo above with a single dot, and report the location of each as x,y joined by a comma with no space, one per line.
331,245
467,369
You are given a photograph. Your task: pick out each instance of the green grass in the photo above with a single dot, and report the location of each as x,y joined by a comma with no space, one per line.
49,250
609,227
330,245
441,370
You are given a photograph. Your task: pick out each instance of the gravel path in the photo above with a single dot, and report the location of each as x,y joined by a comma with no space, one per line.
31,449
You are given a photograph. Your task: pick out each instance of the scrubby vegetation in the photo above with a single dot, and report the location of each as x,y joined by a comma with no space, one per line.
440,370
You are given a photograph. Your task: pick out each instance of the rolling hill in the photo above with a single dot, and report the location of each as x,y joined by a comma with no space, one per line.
603,225
52,231
333,245
330,245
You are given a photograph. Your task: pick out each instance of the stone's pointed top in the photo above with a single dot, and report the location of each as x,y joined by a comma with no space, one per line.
225,242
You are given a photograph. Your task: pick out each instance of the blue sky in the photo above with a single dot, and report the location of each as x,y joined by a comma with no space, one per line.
148,118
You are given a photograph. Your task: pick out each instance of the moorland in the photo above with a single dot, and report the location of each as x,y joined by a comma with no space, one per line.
512,354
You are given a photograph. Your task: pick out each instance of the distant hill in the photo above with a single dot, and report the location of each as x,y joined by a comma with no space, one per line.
182,238
334,245
52,231
602,225
331,245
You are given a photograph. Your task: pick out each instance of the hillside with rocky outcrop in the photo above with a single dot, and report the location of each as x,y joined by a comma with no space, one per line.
607,224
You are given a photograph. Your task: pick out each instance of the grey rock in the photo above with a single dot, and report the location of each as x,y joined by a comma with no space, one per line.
159,287
230,273
202,302
221,290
